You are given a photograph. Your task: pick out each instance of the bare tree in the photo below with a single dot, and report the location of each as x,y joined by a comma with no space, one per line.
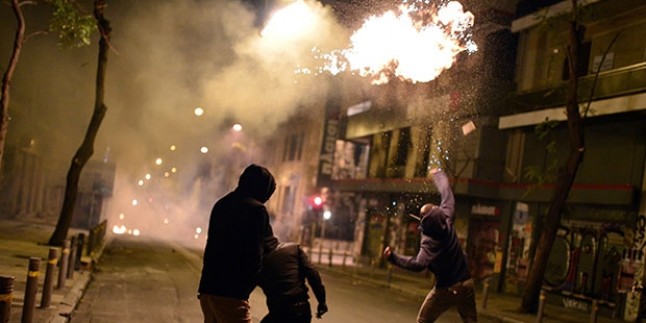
566,172
86,149
8,73
73,31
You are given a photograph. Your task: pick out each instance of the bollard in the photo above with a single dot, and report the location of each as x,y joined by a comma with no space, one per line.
62,272
330,255
6,294
72,258
320,250
52,259
90,242
541,307
80,241
594,311
30,290
485,293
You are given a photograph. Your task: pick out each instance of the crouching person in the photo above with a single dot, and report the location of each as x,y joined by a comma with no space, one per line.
282,279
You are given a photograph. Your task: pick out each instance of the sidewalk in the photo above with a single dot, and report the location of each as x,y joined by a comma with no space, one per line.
500,307
18,242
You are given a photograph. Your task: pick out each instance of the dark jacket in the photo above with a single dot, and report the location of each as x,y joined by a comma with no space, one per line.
238,226
440,249
283,277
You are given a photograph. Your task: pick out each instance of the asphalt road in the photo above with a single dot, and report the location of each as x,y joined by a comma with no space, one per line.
149,281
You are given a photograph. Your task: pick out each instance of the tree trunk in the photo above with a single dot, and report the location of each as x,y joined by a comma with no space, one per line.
8,75
565,178
86,149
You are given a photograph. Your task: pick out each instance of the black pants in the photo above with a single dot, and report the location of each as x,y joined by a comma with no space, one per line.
299,312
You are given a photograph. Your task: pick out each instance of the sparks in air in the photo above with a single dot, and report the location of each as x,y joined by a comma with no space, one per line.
416,43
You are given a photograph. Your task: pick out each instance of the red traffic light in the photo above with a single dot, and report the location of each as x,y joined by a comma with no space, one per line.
318,201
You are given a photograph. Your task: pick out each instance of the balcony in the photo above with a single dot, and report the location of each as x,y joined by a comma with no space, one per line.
618,82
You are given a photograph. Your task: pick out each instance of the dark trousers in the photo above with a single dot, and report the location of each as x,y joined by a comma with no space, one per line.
299,312
439,300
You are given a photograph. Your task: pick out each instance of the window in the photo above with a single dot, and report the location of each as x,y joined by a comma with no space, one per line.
293,147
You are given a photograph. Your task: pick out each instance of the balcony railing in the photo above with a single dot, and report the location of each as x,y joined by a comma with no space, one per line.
618,82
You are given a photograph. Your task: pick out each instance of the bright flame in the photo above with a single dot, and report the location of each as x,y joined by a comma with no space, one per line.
116,229
291,22
415,44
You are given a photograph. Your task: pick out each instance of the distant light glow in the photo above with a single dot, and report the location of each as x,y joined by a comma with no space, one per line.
166,221
140,182
136,232
237,127
198,111
318,201
327,215
158,161
198,230
119,229
121,216
172,147
135,202
204,150
173,170
166,174
148,176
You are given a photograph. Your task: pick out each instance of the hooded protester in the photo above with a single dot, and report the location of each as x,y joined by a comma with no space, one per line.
282,279
441,253
238,227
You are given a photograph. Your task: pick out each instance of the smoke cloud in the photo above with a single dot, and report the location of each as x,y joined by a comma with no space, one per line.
167,59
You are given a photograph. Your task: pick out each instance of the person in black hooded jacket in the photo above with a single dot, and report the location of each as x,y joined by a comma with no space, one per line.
282,279
238,227
441,253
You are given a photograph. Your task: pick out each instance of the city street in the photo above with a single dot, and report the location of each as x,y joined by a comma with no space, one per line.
148,281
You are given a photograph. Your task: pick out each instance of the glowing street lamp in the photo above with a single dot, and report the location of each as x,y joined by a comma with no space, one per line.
198,111
158,161
237,127
204,150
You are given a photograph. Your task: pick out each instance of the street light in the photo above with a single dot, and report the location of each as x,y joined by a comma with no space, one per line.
327,215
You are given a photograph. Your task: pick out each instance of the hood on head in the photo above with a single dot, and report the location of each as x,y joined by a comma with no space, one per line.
257,182
433,224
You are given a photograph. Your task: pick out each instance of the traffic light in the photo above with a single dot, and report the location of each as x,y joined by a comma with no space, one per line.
315,202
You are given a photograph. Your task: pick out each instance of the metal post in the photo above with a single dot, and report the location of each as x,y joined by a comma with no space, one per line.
71,263
594,311
345,256
330,255
80,241
541,307
30,290
485,293
62,271
6,294
52,259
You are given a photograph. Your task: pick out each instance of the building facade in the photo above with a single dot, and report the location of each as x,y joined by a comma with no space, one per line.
496,121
